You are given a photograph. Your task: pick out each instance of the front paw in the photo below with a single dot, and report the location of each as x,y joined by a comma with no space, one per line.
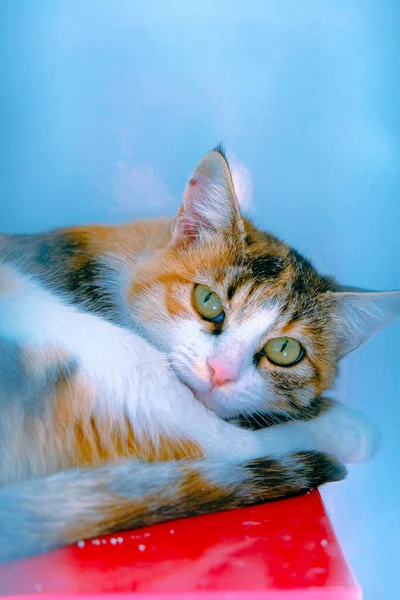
346,433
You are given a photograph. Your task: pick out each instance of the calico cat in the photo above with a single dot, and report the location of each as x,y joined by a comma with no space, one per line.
130,355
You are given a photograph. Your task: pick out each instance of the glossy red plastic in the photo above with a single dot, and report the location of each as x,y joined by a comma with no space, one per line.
280,551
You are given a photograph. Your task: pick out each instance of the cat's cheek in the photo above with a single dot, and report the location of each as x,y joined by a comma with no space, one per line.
221,404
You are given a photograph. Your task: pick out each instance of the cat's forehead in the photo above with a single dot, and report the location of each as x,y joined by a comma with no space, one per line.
260,273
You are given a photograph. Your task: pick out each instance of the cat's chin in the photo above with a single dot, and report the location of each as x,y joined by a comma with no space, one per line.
218,403
222,406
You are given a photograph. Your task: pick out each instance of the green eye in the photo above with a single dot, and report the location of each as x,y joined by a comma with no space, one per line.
283,351
208,304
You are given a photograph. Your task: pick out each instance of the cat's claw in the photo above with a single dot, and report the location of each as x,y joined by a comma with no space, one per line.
347,434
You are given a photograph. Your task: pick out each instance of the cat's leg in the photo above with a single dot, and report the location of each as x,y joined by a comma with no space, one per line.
339,431
40,514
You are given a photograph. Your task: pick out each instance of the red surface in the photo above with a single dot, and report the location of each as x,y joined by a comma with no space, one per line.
280,551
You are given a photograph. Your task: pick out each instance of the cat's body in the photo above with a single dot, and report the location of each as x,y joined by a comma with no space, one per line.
105,357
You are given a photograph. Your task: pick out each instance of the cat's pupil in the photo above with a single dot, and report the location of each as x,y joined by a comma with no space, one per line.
284,345
206,299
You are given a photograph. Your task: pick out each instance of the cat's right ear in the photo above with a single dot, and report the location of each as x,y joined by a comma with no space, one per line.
209,202
358,315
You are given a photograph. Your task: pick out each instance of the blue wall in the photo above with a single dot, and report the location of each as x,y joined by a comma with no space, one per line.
106,106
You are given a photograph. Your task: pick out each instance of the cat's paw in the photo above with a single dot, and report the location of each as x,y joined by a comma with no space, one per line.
345,433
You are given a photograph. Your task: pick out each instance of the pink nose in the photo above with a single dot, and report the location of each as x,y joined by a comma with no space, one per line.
220,373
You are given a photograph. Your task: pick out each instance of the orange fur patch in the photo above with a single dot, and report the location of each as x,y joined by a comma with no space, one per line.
97,443
173,301
124,240
93,441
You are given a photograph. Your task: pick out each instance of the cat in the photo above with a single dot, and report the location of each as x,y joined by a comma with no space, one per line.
130,355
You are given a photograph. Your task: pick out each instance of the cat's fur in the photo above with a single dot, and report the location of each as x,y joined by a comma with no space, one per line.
103,358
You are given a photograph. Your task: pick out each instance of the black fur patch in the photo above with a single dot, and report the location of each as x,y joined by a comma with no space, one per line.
266,266
68,266
254,422
230,292
305,279
258,421
308,471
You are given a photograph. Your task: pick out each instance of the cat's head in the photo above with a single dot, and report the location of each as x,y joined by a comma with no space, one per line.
246,322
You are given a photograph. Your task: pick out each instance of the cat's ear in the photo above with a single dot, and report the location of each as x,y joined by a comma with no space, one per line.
358,315
209,201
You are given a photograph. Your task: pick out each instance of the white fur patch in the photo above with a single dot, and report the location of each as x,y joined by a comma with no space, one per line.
345,433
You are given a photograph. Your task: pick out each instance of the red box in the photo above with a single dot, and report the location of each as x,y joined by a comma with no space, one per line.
279,551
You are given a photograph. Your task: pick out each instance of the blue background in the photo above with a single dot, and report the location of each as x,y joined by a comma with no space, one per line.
107,106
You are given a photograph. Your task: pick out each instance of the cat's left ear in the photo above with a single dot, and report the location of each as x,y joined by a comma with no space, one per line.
209,202
358,315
